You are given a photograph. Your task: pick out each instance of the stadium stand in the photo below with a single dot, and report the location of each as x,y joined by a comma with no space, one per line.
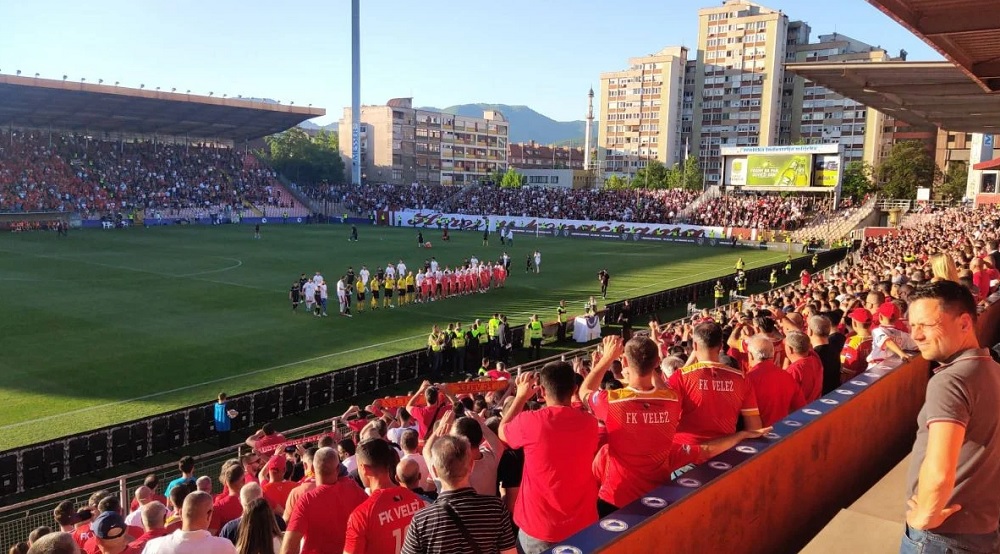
825,331
74,173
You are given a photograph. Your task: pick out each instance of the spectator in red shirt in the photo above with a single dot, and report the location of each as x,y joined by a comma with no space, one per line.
226,506
558,493
379,523
277,489
307,483
111,535
805,367
152,482
107,504
264,437
777,392
82,532
154,519
318,524
436,405
714,395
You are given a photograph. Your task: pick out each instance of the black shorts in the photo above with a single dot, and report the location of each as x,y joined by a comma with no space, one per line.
409,289
388,293
361,297
375,294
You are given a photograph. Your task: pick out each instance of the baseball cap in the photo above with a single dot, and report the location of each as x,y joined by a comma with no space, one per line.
860,315
108,525
888,310
276,463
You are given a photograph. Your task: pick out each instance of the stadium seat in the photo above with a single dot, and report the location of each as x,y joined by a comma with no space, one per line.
266,406
366,380
128,443
386,371
293,398
320,391
343,384
199,423
168,433
242,405
8,474
408,365
43,465
87,453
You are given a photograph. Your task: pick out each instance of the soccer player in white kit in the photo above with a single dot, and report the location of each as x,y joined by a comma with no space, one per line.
401,269
390,271
345,302
309,290
538,261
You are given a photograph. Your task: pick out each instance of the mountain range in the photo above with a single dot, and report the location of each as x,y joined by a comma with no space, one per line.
525,124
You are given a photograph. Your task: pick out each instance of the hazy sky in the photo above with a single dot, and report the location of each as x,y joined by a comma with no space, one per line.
542,53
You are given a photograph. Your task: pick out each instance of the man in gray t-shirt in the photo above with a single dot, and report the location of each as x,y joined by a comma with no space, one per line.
955,470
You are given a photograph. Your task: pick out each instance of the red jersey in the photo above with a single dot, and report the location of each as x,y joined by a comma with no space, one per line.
321,514
82,533
640,425
777,392
379,524
90,546
558,494
808,373
140,543
714,397
226,508
276,494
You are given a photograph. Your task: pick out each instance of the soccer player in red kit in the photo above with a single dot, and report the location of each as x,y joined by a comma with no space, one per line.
429,286
379,524
714,395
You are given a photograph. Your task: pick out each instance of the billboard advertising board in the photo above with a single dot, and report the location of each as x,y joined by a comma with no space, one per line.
782,170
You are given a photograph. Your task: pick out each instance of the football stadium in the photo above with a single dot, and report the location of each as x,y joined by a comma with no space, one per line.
207,347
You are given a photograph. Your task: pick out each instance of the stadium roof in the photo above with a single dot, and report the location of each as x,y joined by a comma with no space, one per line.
963,31
95,108
922,93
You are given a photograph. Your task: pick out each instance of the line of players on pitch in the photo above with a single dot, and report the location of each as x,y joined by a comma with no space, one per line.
397,286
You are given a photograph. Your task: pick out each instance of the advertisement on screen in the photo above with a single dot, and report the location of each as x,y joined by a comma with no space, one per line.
827,171
789,170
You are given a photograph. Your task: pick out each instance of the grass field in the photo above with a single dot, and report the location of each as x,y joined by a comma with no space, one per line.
107,326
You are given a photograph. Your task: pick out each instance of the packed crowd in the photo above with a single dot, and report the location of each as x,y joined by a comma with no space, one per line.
544,454
73,173
377,198
756,211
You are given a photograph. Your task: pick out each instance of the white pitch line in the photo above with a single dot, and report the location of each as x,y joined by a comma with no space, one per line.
196,385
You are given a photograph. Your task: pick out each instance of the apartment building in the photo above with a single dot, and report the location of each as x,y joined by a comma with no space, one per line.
531,155
640,111
738,79
402,145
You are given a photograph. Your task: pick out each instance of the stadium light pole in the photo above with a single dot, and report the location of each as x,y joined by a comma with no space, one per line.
356,92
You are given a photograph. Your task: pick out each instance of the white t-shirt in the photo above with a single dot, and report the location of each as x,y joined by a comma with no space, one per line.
538,258
310,290
341,288
395,435
322,291
434,266
364,276
134,519
189,542
425,472
419,279
350,464
401,268
318,279
883,358
390,271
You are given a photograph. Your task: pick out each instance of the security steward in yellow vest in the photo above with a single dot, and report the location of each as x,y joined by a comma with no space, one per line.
774,278
534,332
720,293
493,346
788,265
435,343
458,342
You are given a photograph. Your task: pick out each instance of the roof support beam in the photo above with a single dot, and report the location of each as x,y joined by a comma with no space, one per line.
984,18
989,69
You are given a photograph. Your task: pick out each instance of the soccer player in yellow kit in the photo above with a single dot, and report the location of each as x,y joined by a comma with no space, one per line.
411,285
401,290
389,287
375,292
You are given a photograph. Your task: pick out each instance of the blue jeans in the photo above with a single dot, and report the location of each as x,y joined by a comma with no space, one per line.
531,545
916,541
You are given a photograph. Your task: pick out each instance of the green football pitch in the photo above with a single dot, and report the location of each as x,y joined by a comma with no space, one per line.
108,326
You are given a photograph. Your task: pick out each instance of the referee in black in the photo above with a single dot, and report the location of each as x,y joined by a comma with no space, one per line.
604,277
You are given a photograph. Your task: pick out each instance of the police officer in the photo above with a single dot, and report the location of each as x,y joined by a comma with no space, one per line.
720,293
534,331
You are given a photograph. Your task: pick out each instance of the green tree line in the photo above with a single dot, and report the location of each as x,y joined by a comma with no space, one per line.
303,158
